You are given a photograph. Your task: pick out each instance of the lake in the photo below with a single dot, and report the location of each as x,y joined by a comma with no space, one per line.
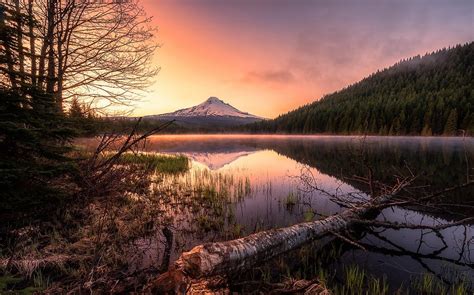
240,184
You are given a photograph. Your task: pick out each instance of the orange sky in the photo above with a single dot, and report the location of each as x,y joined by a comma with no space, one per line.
268,57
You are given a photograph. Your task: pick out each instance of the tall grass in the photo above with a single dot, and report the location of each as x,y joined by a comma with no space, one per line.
430,284
291,200
158,162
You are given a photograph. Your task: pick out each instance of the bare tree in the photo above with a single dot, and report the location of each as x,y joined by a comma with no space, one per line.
98,51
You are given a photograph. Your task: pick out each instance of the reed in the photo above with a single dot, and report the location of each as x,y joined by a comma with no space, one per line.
158,162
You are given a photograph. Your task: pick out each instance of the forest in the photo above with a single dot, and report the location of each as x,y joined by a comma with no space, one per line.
422,95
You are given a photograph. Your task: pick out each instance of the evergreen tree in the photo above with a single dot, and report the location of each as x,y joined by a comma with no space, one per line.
450,127
76,111
34,135
415,96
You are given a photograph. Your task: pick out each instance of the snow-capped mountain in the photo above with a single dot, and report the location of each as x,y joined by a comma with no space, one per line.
212,112
212,107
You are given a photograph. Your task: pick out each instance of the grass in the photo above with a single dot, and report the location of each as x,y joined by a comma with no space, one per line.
206,201
355,279
308,215
429,284
358,282
158,162
6,282
202,201
208,224
171,164
290,200
237,230
378,286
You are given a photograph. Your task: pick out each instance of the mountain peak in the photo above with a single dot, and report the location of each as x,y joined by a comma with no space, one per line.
213,112
214,99
212,107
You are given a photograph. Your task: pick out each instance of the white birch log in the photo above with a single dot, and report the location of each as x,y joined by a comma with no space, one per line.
225,257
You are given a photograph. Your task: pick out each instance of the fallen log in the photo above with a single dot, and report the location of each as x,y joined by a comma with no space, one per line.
223,257
218,259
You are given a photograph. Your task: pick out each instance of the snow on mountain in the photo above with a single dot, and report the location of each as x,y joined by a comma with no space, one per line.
211,114
215,161
213,106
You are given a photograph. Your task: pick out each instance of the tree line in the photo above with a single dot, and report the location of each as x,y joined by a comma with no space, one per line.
422,95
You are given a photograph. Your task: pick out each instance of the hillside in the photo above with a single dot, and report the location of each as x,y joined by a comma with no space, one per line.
428,95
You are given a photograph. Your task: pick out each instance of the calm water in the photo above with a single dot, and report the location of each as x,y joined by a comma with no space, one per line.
252,183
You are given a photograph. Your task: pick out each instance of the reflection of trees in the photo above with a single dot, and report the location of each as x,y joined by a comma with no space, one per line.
326,256
416,197
346,159
343,158
370,161
420,257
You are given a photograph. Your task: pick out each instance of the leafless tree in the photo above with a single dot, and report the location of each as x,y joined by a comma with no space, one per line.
98,51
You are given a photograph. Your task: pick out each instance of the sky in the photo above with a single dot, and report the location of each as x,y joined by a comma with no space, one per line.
267,57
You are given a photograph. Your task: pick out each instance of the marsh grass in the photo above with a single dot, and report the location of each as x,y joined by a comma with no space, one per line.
358,282
202,202
430,284
319,261
308,215
291,200
158,162
199,204
355,279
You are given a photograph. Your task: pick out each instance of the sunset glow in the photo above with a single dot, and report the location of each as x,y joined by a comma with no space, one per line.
269,57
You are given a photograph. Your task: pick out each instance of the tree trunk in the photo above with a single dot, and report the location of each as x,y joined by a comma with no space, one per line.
8,44
58,96
47,50
19,32
50,83
31,27
225,257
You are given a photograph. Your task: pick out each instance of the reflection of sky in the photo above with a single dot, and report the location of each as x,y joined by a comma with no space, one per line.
272,178
268,169
269,210
455,243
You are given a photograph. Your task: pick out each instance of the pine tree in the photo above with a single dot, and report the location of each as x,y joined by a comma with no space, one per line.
76,111
450,127
33,134
414,96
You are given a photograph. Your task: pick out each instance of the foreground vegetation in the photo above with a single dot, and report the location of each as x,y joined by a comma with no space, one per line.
318,261
141,217
88,243
159,163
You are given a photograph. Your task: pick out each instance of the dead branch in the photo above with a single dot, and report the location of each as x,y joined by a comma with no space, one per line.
213,259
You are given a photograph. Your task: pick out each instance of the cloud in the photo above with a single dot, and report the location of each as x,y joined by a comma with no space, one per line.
274,76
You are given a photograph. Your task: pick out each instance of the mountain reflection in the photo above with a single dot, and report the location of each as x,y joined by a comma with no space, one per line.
448,159
270,165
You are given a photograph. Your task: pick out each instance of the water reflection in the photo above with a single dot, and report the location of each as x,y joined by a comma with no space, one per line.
243,184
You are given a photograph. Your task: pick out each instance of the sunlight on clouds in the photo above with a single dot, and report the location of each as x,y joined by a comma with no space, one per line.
268,60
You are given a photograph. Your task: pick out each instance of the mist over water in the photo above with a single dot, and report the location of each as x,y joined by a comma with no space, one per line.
259,179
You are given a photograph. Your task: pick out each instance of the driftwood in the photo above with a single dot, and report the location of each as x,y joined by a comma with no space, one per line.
219,259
